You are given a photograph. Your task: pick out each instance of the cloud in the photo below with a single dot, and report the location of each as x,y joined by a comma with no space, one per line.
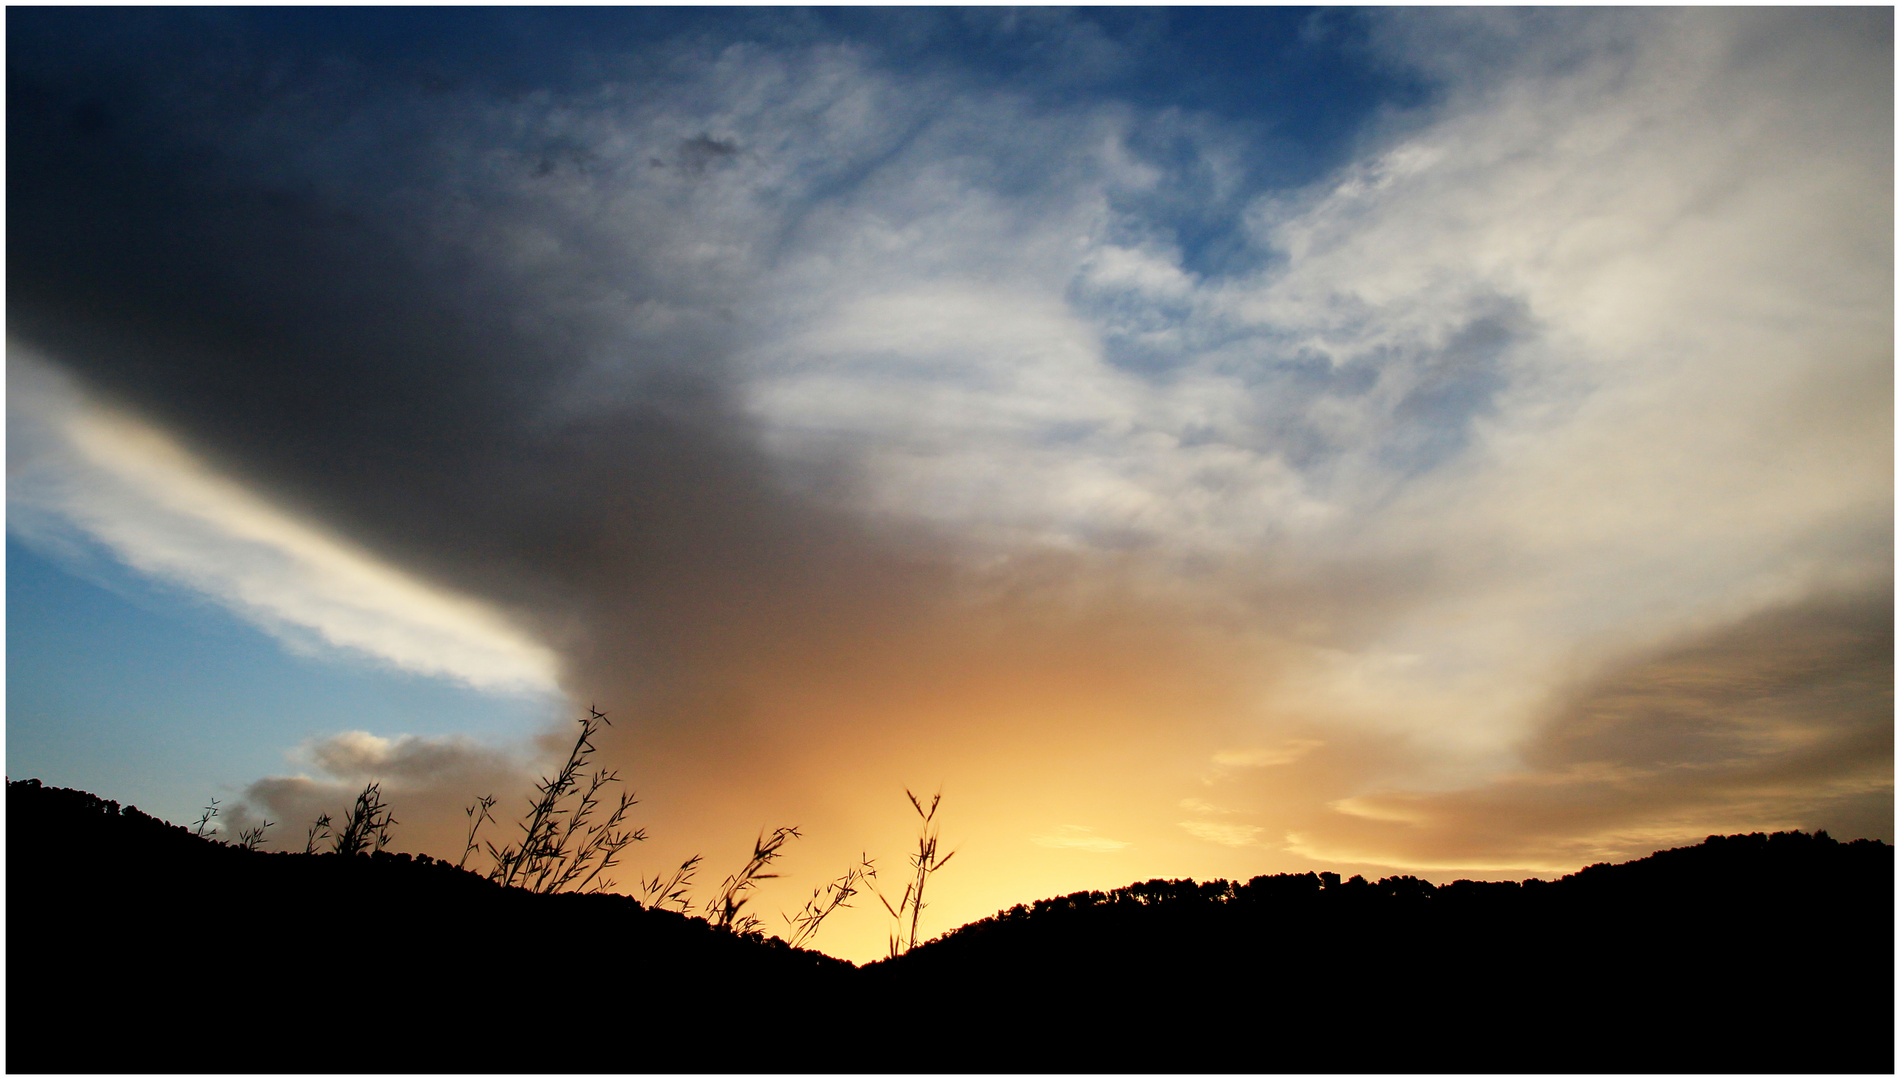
1543,279
1782,719
426,780
900,425
359,755
1079,838
162,511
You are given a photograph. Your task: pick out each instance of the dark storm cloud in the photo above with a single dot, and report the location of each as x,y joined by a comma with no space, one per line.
268,253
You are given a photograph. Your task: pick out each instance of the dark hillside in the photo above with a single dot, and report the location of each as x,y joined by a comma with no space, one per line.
1742,954
137,947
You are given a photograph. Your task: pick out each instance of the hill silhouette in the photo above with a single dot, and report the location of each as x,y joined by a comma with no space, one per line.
135,946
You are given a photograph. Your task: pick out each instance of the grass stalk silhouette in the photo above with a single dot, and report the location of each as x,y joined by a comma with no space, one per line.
923,864
477,812
367,825
204,820
724,910
562,849
828,899
249,839
670,892
598,848
559,849
319,830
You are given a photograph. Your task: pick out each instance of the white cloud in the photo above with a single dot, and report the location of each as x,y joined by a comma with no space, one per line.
1594,352
1591,354
1705,384
75,465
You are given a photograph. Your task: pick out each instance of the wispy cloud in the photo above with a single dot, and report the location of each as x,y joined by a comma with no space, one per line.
1780,720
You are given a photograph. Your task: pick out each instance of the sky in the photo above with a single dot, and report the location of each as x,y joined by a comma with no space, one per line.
1199,443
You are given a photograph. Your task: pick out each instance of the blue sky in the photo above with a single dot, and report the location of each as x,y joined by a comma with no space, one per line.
1207,442
120,683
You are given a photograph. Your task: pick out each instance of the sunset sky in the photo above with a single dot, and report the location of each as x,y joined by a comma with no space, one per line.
1200,443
